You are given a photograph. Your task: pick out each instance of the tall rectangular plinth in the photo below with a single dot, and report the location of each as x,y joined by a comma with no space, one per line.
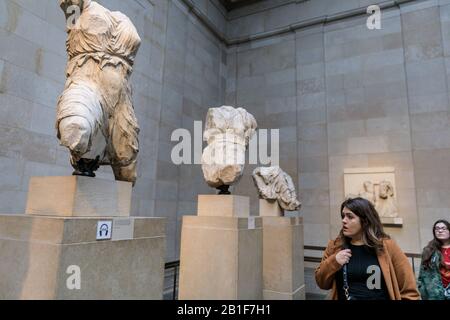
221,256
60,258
283,269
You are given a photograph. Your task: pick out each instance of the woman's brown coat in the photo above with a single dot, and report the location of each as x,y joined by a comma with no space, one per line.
397,272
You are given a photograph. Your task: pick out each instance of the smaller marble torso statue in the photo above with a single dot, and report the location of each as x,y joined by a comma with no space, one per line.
275,184
228,132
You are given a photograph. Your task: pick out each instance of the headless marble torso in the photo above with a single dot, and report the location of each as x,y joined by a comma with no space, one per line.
104,35
228,131
95,118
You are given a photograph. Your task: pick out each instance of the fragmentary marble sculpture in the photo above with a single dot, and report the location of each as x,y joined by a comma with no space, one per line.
381,195
228,132
368,192
95,116
386,204
275,184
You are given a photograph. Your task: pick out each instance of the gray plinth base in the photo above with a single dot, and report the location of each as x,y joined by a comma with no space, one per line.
283,260
49,257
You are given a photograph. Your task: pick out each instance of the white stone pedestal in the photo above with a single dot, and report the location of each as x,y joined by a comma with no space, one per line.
75,196
46,255
283,260
221,251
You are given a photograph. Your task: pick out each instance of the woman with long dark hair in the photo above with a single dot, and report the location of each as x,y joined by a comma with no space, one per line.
363,263
434,276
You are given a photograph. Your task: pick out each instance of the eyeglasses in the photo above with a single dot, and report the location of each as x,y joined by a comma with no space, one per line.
440,229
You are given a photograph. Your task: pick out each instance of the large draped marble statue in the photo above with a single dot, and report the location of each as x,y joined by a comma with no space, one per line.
95,116
275,184
228,132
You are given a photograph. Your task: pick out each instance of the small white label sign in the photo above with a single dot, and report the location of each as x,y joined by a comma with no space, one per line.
123,229
104,230
251,223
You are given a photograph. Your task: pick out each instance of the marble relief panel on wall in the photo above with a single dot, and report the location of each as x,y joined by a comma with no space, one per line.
378,186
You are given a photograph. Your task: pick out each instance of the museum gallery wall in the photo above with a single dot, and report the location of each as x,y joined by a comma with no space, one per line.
344,98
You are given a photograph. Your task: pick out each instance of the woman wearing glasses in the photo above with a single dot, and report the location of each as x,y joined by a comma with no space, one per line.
434,276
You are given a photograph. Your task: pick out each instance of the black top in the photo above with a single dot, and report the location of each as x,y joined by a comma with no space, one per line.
364,276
